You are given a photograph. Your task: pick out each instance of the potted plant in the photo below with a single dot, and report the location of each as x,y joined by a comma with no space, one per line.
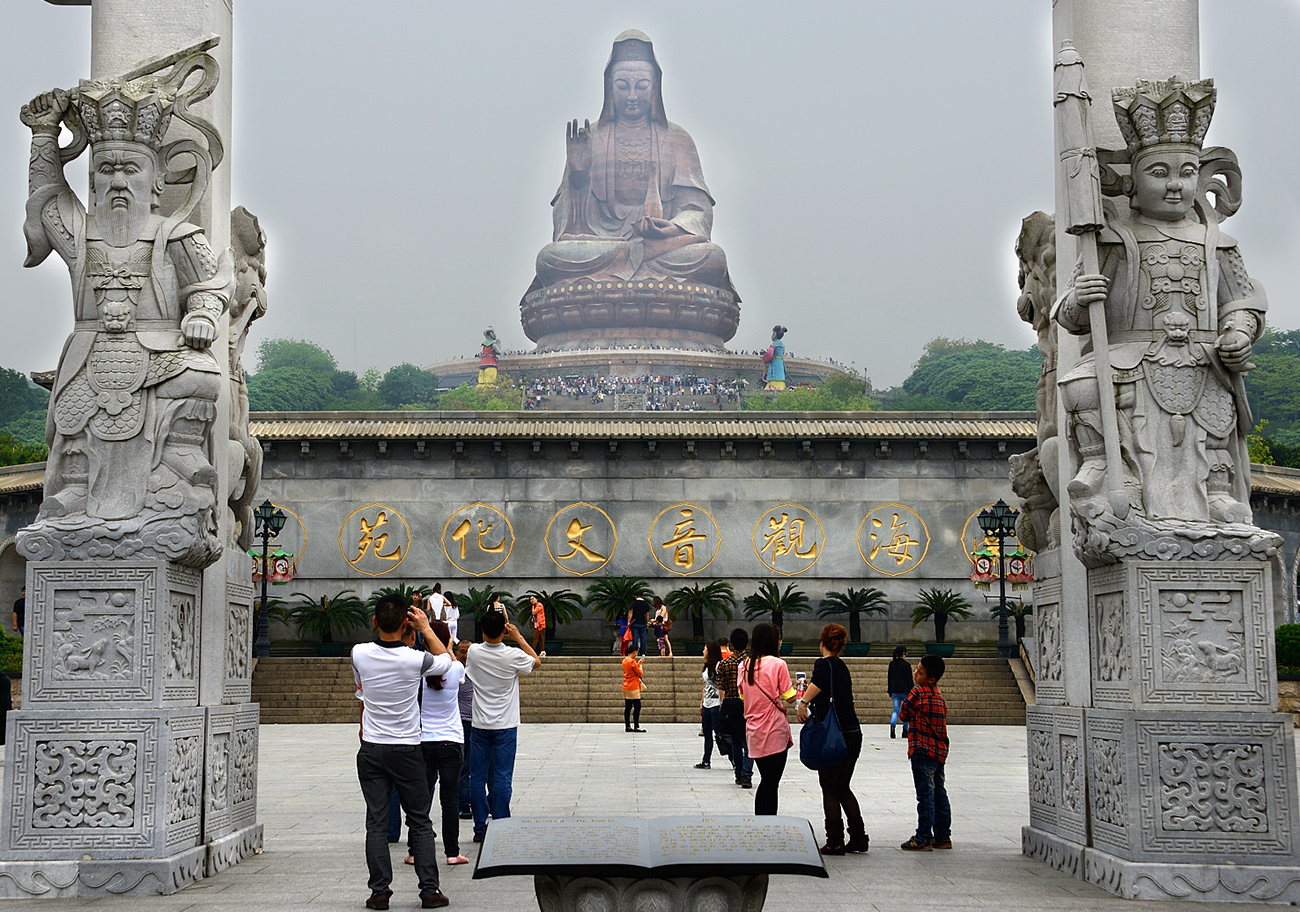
940,606
771,602
854,603
717,599
611,597
1017,611
562,605
319,618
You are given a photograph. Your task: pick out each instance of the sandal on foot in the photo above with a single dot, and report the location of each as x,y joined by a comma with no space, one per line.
409,859
457,860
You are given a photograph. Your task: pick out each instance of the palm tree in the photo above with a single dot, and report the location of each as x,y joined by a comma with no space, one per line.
854,603
1019,611
319,618
401,589
717,600
939,605
770,598
476,602
612,596
562,606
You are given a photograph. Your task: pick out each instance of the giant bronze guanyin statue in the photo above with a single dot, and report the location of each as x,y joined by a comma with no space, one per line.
632,263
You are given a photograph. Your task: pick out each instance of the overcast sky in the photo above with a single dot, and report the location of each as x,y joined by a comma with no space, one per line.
871,161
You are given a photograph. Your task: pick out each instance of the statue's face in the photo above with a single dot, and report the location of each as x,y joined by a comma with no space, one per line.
1164,184
633,82
124,180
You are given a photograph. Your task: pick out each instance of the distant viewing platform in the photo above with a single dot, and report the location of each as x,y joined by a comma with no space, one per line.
632,363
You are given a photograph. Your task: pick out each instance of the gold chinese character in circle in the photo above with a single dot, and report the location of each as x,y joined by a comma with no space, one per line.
585,538
694,536
478,539
374,539
893,539
788,539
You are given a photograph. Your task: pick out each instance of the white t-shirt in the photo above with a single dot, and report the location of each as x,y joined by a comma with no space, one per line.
494,670
389,677
435,601
440,709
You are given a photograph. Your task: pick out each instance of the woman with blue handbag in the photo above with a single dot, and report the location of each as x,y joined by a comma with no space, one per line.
831,687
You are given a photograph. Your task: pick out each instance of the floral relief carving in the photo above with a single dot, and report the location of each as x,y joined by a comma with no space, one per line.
1213,787
1049,635
1112,657
238,628
84,784
218,792
244,785
181,637
1071,776
1042,769
1109,792
183,787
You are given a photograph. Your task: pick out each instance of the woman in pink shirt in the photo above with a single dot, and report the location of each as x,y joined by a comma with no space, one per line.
766,688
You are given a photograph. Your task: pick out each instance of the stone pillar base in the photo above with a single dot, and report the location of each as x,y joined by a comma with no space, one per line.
1164,880
567,893
230,850
139,877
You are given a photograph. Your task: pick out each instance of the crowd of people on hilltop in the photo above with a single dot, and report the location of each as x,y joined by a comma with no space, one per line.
679,392
439,712
668,348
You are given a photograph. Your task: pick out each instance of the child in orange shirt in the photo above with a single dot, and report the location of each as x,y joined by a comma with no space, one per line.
632,687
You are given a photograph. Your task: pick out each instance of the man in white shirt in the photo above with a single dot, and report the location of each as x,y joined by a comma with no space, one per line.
388,675
494,669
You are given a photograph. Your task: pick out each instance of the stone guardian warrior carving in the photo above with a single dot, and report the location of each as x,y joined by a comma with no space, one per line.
130,471
1181,314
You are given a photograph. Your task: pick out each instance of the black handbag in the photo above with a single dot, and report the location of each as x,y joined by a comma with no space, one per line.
822,744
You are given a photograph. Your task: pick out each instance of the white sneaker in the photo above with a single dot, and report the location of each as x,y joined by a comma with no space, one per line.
542,654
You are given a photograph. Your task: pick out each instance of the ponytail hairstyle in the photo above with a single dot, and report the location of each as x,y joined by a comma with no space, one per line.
763,642
443,633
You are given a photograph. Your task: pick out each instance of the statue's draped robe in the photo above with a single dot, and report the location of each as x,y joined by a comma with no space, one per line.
595,222
107,383
1174,400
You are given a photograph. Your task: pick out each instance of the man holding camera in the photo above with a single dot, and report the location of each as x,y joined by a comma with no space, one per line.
388,675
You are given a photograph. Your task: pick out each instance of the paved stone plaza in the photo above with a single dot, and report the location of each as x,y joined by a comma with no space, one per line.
312,809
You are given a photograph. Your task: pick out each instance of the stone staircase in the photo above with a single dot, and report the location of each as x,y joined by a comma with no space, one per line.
978,691
305,689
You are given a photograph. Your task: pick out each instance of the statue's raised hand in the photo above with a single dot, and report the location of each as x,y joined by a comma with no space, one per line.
46,110
578,141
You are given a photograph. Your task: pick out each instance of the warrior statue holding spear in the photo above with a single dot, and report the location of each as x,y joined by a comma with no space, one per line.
1157,408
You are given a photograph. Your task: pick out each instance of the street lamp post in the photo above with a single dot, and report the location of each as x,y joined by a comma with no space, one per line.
268,522
999,521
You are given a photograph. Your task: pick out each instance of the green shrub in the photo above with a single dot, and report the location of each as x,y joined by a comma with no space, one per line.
1288,644
11,653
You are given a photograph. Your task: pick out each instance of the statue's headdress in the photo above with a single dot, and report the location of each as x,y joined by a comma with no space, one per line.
1164,112
135,112
634,45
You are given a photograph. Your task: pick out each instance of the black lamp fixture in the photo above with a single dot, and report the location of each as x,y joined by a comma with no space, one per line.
268,522
999,521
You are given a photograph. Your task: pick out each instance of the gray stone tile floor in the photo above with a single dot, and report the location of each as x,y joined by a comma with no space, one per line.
312,810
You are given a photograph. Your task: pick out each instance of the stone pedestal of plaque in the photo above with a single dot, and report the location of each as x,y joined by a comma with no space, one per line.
116,779
674,864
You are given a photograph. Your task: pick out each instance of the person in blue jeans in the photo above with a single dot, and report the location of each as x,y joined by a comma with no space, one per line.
927,747
898,685
638,617
494,669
